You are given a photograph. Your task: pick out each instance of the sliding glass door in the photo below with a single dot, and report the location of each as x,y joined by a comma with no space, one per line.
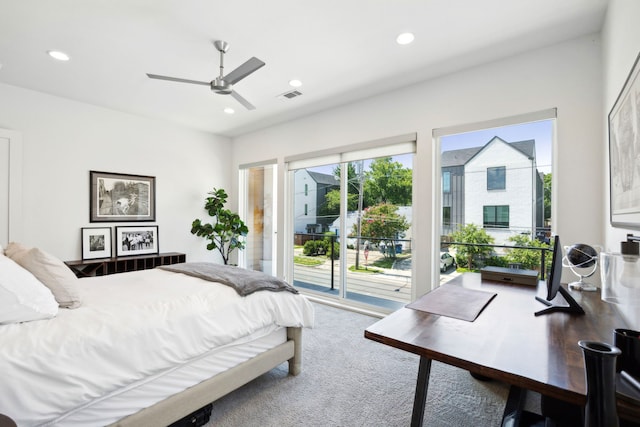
351,223
316,227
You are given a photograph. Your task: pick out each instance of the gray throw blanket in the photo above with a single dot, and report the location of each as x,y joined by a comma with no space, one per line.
245,282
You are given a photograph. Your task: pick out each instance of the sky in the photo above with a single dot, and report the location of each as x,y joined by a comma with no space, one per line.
541,132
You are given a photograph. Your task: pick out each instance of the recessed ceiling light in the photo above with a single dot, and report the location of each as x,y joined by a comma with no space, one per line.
295,83
60,56
229,110
405,38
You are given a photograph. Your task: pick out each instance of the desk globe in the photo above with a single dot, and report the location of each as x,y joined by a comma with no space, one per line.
582,259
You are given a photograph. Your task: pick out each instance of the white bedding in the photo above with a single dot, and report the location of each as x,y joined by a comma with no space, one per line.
130,326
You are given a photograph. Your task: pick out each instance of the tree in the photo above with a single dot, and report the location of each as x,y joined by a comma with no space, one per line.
528,258
383,222
546,193
332,198
226,229
470,234
387,182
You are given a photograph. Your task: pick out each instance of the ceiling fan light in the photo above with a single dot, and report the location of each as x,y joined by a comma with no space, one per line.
405,38
229,110
60,56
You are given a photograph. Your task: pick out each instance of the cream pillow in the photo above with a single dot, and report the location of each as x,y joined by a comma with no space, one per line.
14,249
22,297
53,273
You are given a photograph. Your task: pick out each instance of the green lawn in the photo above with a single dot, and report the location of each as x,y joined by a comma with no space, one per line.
308,260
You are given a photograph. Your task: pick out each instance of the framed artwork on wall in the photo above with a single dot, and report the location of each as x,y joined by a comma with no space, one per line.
132,240
624,153
96,242
121,197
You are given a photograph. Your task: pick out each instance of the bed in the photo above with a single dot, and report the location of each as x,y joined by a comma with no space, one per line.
143,348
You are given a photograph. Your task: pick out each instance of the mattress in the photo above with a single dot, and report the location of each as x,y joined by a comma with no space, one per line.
145,392
136,335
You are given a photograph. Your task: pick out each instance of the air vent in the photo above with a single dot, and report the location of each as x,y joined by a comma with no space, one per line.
290,94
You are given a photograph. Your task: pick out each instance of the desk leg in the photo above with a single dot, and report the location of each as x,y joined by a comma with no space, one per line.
421,392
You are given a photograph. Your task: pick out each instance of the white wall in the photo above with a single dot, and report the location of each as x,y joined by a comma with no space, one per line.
621,45
566,76
62,140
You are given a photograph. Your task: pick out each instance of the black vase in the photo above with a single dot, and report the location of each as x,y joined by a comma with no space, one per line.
600,373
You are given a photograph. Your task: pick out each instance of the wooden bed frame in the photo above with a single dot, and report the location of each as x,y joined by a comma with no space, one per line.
182,404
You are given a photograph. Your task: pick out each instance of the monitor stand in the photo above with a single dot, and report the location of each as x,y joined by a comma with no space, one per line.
572,308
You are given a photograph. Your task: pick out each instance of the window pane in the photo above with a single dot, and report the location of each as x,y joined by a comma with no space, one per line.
446,182
480,205
496,178
496,216
446,215
259,213
337,257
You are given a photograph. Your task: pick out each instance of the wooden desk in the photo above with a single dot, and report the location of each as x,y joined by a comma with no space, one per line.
506,342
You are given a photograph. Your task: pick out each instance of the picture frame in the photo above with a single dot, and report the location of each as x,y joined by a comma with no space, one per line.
624,153
134,240
96,242
121,197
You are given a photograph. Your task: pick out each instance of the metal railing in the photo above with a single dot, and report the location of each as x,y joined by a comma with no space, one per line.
542,250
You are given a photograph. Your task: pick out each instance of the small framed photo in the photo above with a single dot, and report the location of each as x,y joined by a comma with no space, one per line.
121,197
96,242
136,240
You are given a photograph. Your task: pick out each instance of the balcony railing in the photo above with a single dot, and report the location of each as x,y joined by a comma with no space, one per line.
543,251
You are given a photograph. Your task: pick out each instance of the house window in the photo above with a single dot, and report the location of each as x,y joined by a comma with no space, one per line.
306,189
495,216
446,182
496,178
446,215
306,209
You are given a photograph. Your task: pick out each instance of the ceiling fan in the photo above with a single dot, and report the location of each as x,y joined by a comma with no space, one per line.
223,85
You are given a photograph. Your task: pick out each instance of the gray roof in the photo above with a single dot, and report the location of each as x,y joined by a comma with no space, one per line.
461,157
323,178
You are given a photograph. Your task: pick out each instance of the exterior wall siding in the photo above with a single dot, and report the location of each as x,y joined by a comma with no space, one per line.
518,195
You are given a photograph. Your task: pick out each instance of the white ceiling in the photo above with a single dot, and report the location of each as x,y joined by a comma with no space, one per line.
342,50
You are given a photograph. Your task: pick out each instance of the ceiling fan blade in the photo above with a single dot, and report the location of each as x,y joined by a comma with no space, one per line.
242,101
175,79
243,71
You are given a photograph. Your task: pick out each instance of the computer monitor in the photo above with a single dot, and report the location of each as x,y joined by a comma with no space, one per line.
554,288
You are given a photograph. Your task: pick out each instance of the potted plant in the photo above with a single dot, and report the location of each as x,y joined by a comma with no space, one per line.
225,230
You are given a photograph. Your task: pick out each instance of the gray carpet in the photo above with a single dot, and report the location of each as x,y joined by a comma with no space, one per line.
348,380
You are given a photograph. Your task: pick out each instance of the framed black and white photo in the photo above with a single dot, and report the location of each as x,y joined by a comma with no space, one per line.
96,242
121,197
624,153
136,240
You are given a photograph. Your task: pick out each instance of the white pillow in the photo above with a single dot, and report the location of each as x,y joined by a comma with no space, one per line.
22,297
53,273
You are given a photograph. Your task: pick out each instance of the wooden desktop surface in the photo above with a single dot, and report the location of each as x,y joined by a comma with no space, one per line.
507,342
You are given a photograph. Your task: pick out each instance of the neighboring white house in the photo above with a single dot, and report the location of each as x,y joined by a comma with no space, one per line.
310,191
496,186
